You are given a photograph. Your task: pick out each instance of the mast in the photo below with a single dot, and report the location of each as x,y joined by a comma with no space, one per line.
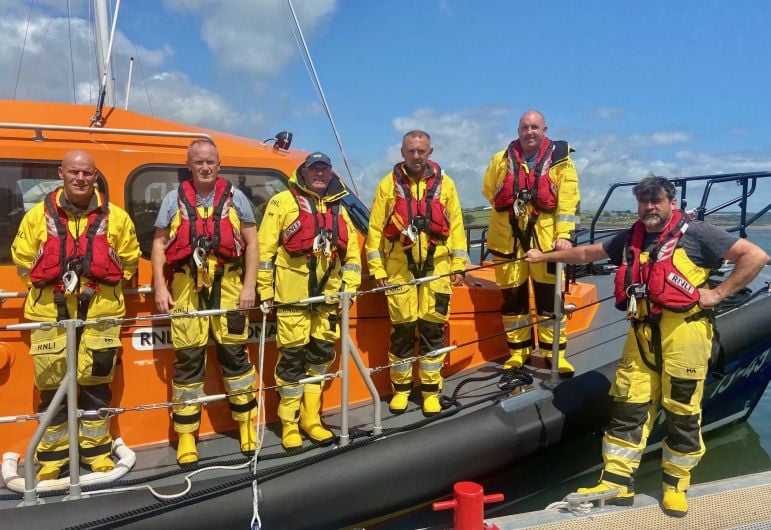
103,53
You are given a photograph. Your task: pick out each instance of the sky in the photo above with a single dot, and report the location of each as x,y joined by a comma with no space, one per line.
673,88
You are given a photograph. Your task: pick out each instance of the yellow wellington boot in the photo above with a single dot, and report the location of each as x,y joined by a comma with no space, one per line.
566,369
48,472
290,435
674,502
310,420
517,360
399,402
623,498
248,435
187,452
431,405
103,464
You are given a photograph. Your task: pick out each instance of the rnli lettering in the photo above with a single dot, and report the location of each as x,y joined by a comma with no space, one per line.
682,283
45,347
159,338
291,229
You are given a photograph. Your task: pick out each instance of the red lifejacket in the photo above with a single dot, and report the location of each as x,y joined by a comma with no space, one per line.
663,285
429,215
299,237
536,186
90,255
214,233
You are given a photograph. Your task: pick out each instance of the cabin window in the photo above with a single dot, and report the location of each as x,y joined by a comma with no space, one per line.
147,186
22,186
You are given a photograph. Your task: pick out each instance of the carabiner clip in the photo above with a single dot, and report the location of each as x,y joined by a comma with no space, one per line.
411,232
70,280
321,245
199,256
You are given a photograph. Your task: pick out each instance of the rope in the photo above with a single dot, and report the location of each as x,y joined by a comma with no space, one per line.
23,47
306,56
578,510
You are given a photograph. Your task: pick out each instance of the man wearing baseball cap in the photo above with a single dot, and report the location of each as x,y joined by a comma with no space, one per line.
309,248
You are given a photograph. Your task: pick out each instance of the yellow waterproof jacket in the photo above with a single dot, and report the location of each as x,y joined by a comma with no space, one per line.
550,226
379,249
32,235
286,278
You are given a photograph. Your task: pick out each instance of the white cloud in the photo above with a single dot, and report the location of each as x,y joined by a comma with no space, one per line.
185,102
252,37
465,140
48,64
607,113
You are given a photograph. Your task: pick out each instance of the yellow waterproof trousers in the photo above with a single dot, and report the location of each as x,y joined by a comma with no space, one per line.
97,354
686,344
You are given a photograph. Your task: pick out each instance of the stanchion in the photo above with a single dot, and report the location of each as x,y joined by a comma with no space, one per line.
557,327
469,501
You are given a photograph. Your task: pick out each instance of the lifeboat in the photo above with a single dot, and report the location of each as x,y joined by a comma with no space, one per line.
380,463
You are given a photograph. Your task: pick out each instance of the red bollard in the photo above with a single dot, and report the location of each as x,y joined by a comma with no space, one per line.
469,505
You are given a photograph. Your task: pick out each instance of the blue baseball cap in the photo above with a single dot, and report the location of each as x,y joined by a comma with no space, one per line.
318,156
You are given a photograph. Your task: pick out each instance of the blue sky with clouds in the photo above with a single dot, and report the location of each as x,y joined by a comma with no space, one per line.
677,88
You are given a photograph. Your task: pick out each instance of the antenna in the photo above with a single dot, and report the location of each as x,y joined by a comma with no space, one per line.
128,83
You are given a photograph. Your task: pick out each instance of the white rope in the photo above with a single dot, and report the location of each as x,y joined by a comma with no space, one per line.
576,509
256,523
173,496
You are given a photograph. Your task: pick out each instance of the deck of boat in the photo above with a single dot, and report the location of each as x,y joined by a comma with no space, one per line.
733,503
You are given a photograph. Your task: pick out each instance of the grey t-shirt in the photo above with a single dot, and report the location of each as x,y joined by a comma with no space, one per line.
704,244
170,207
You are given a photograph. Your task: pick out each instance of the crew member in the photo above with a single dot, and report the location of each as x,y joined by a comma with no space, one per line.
664,262
416,230
206,244
532,186
73,250
308,247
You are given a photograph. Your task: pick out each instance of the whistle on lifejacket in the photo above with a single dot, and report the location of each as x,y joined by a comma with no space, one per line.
70,280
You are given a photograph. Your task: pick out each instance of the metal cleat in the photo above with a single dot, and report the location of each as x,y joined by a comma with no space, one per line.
577,499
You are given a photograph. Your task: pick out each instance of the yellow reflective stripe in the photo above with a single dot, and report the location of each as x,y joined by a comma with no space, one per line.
355,267
431,364
621,452
183,394
266,266
22,271
375,254
568,218
677,458
518,322
239,383
402,368
459,253
55,434
291,391
316,369
94,429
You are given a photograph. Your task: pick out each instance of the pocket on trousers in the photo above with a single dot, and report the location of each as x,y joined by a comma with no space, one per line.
236,323
442,304
103,362
684,379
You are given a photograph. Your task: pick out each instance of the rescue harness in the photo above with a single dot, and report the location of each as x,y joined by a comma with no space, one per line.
521,186
63,259
658,283
314,234
429,216
197,237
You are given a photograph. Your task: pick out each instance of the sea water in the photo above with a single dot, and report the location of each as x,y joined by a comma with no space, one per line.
734,451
